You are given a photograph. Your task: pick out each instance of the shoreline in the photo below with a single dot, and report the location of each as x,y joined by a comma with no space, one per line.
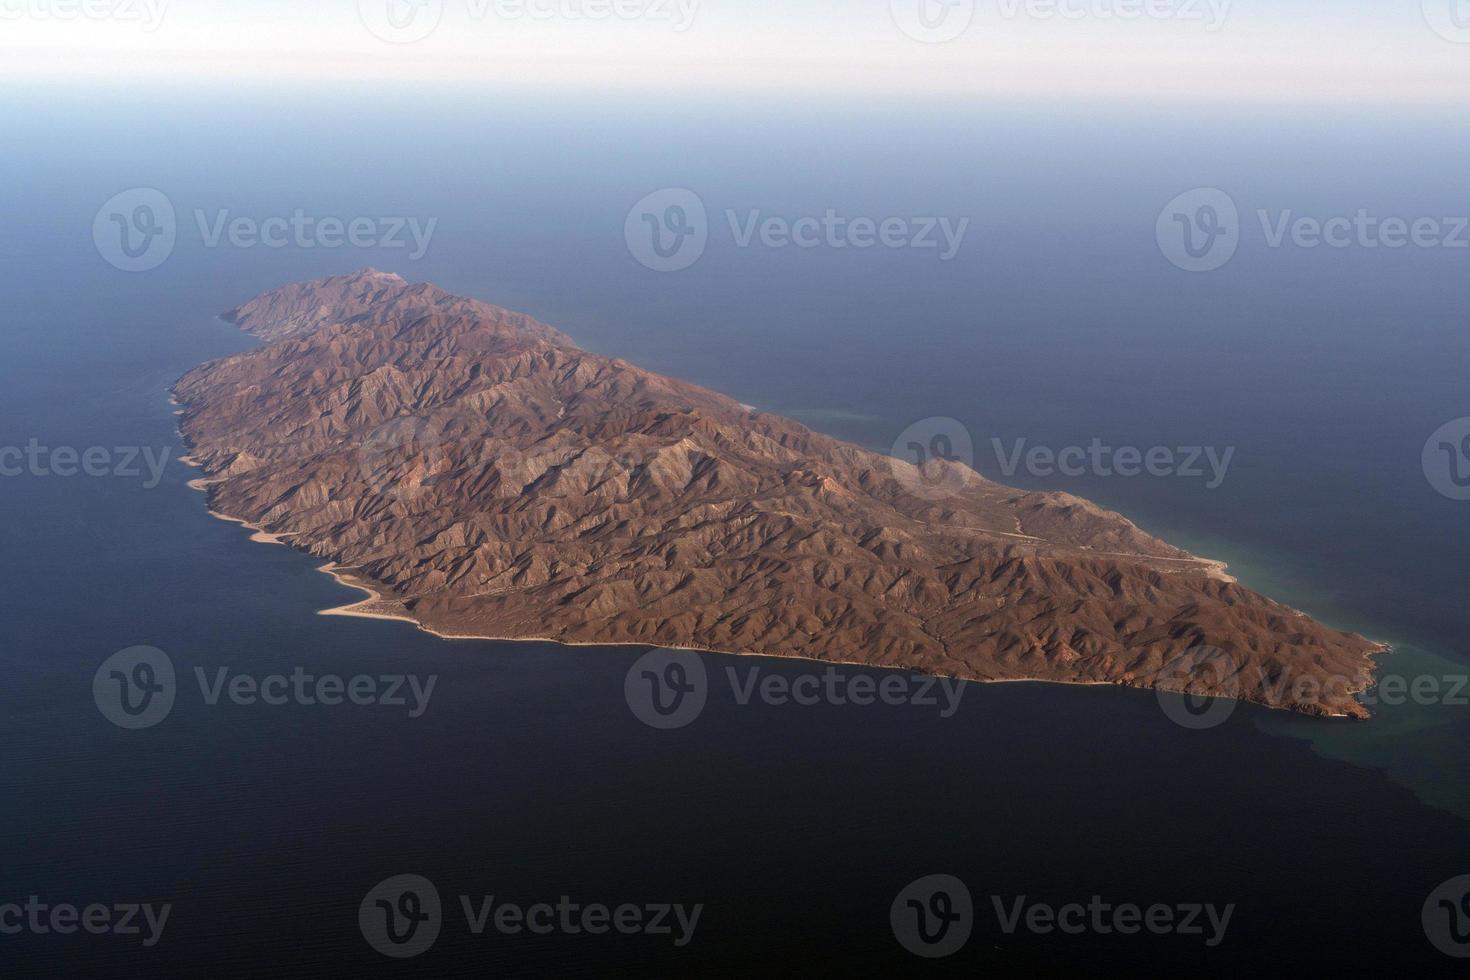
258,535
361,610
364,609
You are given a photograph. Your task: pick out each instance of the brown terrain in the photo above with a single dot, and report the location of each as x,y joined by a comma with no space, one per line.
484,476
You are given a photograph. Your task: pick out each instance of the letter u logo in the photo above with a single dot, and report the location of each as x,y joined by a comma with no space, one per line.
933,13
410,910
147,226
1459,461
675,220
1205,220
1459,931
675,680
934,919
402,12
144,679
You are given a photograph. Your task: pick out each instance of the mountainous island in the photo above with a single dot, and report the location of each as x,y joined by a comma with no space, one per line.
481,475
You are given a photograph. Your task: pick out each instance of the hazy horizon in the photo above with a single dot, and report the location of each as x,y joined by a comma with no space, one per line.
1167,51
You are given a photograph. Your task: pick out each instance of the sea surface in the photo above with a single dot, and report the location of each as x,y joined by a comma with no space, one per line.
527,776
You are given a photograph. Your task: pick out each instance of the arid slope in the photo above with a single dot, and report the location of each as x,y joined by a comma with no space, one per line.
490,478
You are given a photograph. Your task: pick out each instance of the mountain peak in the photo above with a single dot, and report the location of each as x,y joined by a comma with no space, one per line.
368,272
369,297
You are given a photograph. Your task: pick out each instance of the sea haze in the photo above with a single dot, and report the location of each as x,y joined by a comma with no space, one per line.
1058,321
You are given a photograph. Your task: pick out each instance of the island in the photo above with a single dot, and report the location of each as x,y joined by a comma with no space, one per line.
479,474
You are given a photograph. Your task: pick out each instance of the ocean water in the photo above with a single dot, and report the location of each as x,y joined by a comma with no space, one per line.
527,777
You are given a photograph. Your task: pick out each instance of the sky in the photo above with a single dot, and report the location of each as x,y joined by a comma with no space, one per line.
1234,51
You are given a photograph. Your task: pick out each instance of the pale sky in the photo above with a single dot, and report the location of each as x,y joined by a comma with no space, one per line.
1243,51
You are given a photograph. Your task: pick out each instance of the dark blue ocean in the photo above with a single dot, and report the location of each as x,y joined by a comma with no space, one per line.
1058,321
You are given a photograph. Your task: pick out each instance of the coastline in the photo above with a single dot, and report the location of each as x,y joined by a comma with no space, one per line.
361,610
375,606
258,535
364,609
